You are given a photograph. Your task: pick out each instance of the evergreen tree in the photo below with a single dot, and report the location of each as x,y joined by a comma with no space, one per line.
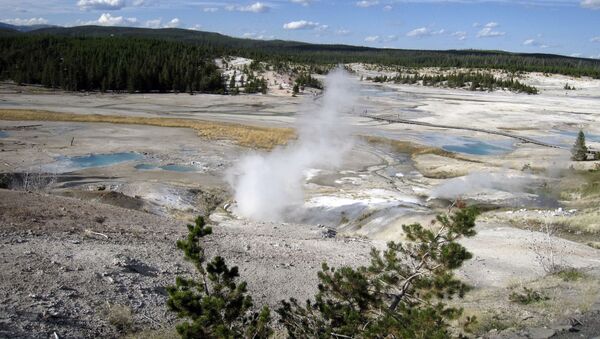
399,295
579,149
232,81
216,305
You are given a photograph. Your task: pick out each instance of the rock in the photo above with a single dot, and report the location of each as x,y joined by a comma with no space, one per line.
561,328
541,333
328,233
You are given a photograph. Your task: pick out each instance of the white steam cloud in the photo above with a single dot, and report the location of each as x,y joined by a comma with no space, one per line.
270,186
480,181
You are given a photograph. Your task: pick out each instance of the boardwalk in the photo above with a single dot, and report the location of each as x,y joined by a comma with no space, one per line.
398,120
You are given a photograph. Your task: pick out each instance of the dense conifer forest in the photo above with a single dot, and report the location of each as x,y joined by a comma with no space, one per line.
142,60
119,64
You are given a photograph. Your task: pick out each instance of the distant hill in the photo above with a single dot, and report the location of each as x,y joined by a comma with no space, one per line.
201,37
101,57
280,51
24,28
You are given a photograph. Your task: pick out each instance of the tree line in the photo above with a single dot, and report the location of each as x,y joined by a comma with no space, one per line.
471,80
116,64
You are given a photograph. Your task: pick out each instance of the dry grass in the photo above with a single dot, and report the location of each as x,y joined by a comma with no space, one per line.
244,135
494,310
120,316
163,333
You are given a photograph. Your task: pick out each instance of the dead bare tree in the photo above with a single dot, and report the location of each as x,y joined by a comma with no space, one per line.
549,253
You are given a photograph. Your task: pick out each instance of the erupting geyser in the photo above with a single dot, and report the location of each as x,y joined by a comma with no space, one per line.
270,186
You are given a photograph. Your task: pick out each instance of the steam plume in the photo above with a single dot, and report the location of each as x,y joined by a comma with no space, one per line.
478,181
270,186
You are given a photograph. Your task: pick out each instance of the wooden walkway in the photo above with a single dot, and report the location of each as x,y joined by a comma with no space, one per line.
398,120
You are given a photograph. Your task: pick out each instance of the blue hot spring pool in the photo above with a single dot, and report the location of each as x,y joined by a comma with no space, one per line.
3,134
467,145
74,163
477,148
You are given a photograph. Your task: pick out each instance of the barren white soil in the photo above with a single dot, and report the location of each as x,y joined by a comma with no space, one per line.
89,237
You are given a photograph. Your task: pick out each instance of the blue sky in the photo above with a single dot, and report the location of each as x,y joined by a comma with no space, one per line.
568,27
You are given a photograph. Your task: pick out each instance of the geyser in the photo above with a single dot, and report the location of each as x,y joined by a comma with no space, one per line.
270,186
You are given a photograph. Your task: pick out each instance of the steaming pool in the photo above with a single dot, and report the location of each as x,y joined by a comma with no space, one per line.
3,134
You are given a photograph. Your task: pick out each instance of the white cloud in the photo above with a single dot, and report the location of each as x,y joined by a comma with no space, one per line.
367,3
196,27
173,23
25,22
488,31
382,39
258,36
257,7
422,32
109,5
595,39
254,36
342,31
156,23
387,8
576,55
210,9
303,24
302,2
460,35
535,43
593,4
107,19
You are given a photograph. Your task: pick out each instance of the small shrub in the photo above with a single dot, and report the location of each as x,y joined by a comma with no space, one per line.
120,317
528,296
594,244
490,322
570,274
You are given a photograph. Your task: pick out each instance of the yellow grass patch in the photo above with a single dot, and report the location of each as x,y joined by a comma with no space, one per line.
244,135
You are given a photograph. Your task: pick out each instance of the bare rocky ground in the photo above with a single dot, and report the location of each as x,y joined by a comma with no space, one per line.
66,263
